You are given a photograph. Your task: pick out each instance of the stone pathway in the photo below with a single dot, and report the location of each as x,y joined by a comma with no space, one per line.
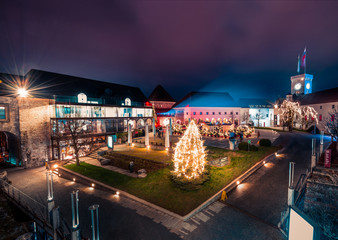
174,225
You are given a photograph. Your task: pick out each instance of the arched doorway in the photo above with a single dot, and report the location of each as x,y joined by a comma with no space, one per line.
9,149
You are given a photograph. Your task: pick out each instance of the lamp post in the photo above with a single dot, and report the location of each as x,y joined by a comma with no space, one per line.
167,143
53,212
130,140
291,190
154,130
313,155
146,137
95,231
321,148
75,215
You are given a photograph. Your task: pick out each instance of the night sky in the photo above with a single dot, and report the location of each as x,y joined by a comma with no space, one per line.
247,48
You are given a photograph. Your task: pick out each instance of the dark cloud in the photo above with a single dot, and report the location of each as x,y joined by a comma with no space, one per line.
245,47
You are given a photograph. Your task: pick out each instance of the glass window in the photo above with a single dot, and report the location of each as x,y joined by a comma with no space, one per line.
127,102
187,113
332,106
194,113
236,113
231,113
320,107
213,113
219,113
207,113
2,112
320,117
200,113
225,113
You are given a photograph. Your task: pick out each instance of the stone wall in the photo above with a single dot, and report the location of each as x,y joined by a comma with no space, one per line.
34,118
10,126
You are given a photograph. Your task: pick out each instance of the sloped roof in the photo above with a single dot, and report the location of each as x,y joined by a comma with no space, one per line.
206,99
254,103
51,83
160,94
325,96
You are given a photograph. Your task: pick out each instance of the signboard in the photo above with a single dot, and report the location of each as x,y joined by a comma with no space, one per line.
327,160
224,196
249,141
301,227
110,142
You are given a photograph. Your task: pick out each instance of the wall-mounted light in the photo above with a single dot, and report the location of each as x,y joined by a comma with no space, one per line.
22,92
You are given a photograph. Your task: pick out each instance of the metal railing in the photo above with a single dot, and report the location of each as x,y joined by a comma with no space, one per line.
25,201
36,210
301,186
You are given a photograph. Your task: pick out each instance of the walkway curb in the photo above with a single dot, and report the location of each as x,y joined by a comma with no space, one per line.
68,174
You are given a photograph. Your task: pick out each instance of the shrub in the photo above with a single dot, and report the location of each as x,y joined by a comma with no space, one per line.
253,148
191,185
265,142
243,146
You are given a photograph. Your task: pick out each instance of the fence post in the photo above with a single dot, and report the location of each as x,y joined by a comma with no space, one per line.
313,155
291,190
75,215
95,231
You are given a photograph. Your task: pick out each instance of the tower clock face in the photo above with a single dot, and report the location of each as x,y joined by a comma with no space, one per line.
298,86
308,86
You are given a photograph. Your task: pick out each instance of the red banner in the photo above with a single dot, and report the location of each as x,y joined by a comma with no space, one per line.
327,161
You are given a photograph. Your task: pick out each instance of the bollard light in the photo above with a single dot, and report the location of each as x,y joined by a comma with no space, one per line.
93,185
73,179
238,182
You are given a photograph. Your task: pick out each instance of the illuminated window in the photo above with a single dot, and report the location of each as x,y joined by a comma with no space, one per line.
82,98
320,117
2,113
127,102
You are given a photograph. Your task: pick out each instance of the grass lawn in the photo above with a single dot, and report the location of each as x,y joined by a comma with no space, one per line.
158,188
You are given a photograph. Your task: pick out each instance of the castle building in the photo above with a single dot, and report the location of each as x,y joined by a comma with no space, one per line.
37,109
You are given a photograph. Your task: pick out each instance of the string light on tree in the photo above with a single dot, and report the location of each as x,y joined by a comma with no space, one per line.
189,158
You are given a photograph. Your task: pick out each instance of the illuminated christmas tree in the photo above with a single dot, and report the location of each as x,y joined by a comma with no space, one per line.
189,157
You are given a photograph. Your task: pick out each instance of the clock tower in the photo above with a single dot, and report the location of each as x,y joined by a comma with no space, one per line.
301,84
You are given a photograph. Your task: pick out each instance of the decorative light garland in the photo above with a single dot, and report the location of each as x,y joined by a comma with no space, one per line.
189,157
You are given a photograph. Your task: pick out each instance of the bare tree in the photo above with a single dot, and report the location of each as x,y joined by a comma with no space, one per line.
289,113
78,132
245,117
308,114
259,115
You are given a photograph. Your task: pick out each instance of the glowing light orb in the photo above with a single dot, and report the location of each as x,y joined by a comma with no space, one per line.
22,92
